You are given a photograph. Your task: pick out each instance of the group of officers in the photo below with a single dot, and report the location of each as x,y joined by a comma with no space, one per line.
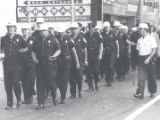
50,58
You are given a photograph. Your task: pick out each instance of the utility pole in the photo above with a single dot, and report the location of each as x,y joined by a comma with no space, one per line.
72,11
28,11
102,12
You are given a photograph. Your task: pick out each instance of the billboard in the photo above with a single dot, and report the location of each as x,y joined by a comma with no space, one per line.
53,10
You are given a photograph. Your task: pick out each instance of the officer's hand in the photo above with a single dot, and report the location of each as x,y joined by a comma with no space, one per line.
99,57
86,63
147,60
22,50
78,66
35,60
51,58
117,55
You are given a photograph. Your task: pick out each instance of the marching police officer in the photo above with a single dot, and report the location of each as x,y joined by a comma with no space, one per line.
110,43
13,46
28,79
95,50
64,61
46,50
76,75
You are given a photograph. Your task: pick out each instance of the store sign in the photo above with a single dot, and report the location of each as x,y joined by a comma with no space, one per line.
53,10
121,7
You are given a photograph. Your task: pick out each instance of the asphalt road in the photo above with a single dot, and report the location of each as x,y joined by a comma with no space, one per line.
109,103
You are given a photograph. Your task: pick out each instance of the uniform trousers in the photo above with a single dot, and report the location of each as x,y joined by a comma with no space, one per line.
46,77
76,77
93,72
12,78
28,80
64,66
109,58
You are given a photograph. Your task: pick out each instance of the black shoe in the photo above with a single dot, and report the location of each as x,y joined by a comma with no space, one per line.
72,97
80,95
19,103
55,102
96,88
108,84
40,107
140,96
152,95
62,101
8,107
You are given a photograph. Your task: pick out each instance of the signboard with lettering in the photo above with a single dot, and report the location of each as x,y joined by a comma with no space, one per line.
53,10
121,7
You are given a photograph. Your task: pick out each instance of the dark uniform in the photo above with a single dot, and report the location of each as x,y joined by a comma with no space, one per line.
46,70
110,52
122,61
93,47
64,64
134,53
29,74
12,63
76,75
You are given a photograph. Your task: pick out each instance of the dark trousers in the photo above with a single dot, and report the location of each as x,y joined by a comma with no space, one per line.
102,67
158,67
12,78
109,59
93,72
28,80
122,63
146,72
76,77
46,77
63,73
134,57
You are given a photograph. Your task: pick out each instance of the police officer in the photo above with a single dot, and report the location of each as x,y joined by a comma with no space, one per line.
95,50
46,50
121,61
29,75
76,75
13,46
64,61
146,47
110,43
134,53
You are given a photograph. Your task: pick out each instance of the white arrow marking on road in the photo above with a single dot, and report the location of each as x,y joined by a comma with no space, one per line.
142,109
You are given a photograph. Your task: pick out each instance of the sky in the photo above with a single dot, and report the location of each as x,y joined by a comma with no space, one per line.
7,14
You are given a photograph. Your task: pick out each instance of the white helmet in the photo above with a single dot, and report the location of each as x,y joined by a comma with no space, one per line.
26,26
106,24
43,27
143,25
134,29
74,25
116,24
40,20
125,27
11,24
61,28
98,27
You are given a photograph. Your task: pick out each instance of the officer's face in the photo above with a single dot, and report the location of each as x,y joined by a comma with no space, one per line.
51,31
25,31
11,29
39,24
106,29
74,31
44,33
142,31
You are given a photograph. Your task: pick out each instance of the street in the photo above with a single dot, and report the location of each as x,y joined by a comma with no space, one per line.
109,103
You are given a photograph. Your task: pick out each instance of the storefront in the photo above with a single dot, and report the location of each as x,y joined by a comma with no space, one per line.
124,11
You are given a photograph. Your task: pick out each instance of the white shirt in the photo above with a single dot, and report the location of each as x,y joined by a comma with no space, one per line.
145,45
